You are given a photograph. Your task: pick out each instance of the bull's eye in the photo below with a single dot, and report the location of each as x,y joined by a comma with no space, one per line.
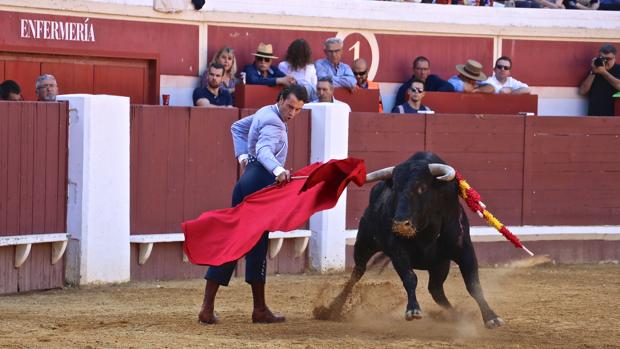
421,189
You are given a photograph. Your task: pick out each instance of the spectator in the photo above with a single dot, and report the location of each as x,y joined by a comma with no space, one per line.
501,80
46,88
360,71
298,64
422,71
341,73
551,4
581,4
469,78
262,72
609,5
602,82
226,57
325,90
213,95
414,104
10,91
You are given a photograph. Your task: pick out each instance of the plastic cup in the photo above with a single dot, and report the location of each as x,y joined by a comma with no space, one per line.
165,99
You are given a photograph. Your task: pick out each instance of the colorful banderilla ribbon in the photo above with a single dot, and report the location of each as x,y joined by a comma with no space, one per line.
472,198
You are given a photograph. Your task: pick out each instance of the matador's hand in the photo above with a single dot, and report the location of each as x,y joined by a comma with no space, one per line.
284,177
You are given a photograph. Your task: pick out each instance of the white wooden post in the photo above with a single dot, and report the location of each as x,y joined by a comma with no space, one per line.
98,189
329,140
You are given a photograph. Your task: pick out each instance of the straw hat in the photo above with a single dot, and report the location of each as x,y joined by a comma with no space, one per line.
472,69
264,50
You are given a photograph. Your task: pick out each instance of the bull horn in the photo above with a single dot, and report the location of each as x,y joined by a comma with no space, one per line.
444,172
379,175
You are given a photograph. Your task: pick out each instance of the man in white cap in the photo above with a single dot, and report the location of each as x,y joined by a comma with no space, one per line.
261,72
470,78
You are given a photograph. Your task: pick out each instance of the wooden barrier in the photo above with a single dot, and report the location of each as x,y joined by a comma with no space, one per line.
177,154
480,103
33,195
257,96
529,170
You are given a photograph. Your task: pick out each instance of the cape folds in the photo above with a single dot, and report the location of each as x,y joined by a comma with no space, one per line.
221,236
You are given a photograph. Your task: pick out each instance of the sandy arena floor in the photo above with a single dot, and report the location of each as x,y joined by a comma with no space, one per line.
547,306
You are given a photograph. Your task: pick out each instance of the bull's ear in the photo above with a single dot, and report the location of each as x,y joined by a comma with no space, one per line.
442,172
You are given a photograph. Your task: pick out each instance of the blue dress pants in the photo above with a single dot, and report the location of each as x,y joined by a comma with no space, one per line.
255,178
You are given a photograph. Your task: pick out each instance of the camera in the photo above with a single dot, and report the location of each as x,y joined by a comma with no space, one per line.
599,61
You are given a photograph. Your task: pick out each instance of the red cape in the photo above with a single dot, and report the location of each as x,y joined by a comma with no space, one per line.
221,236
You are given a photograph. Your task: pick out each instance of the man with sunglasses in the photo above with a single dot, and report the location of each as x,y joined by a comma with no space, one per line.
360,71
261,72
602,82
332,66
501,80
414,104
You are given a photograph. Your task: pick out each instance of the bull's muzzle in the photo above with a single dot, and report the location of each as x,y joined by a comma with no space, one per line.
403,228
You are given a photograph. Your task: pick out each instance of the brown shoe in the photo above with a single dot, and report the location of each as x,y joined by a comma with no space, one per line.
265,316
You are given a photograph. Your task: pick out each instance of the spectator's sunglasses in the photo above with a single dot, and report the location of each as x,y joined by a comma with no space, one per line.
264,59
502,67
418,90
360,73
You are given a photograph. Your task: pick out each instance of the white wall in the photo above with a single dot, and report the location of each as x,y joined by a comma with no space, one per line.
98,189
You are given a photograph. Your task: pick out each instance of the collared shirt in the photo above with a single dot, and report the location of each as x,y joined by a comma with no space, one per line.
514,84
223,97
253,76
264,136
342,75
335,101
405,108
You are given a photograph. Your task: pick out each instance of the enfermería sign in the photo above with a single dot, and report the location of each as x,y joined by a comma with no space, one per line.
57,30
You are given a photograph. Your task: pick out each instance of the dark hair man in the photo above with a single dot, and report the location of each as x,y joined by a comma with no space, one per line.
422,71
10,91
502,81
325,90
602,82
212,95
414,104
261,143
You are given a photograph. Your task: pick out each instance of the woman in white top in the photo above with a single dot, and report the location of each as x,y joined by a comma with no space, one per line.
298,64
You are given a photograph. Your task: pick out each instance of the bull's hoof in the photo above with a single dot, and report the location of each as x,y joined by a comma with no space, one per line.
493,323
413,314
208,318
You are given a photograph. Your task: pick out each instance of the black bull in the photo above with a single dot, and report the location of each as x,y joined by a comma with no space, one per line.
414,217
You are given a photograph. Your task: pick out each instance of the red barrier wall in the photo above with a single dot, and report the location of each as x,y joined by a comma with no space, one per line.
177,154
529,171
33,189
480,103
571,171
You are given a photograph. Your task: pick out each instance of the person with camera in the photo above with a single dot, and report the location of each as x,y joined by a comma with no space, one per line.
602,82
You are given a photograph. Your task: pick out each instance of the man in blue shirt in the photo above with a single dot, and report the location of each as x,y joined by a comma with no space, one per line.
261,72
422,71
341,73
212,95
261,145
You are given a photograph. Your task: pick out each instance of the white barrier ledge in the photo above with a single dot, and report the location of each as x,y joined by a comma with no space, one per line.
23,245
275,244
535,233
